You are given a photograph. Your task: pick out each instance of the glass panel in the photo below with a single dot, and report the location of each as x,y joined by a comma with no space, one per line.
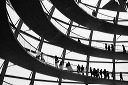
107,66
104,2
71,84
44,83
92,58
18,71
47,5
125,43
98,45
66,80
60,26
102,36
121,15
61,16
106,14
52,50
32,33
121,67
90,2
74,65
77,56
32,41
80,33
15,81
125,76
1,64
12,14
24,27
45,77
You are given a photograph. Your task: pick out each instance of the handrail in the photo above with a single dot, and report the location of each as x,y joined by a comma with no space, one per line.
118,50
95,7
12,25
83,38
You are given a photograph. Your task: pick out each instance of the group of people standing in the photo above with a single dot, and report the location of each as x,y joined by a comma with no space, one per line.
80,69
109,47
68,65
39,55
112,47
103,74
99,73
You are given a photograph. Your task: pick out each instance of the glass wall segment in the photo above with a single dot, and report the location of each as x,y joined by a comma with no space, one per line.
18,71
61,22
45,77
15,81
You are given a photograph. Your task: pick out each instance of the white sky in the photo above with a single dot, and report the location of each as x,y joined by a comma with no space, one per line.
48,49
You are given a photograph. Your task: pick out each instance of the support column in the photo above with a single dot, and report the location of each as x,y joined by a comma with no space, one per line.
68,33
32,78
18,27
60,80
88,57
97,8
51,12
64,50
114,44
3,71
40,44
34,73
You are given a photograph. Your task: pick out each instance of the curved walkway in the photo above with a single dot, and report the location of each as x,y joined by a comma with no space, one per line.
34,17
11,50
70,9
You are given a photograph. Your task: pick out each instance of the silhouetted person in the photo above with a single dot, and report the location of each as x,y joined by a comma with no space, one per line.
61,65
121,77
68,66
104,73
82,70
112,47
78,68
79,40
91,71
42,57
97,73
56,61
94,72
127,5
79,1
38,54
112,74
106,47
94,13
114,20
101,72
107,75
124,51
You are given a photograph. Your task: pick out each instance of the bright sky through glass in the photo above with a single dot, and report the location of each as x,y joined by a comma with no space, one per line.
54,50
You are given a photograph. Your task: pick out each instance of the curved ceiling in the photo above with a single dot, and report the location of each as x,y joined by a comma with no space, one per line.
11,50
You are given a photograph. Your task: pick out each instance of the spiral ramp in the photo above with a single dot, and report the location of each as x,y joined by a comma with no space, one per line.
11,50
35,18
71,10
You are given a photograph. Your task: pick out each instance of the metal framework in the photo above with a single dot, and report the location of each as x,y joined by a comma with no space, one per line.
2,75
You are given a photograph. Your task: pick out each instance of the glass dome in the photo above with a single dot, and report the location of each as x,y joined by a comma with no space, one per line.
16,75
106,9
